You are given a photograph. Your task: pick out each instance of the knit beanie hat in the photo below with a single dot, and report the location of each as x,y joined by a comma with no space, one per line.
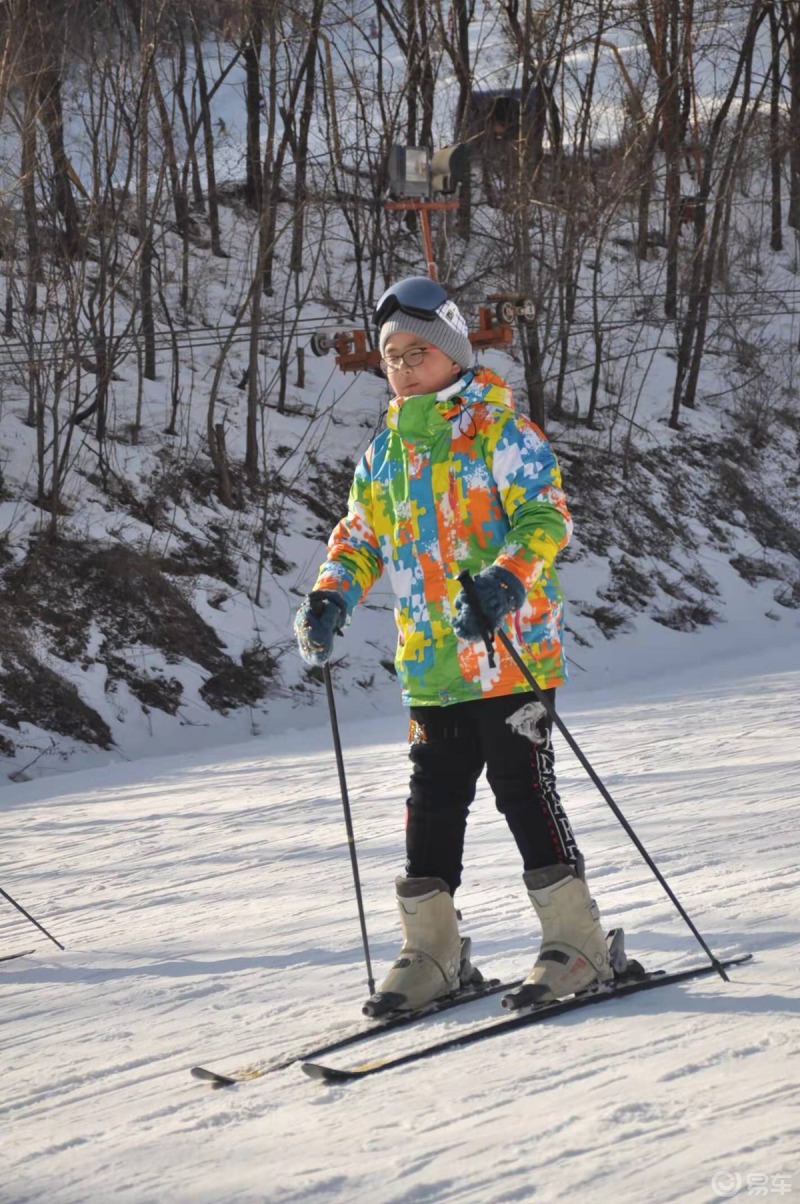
447,331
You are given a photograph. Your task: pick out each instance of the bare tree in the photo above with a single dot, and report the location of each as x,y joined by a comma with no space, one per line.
720,157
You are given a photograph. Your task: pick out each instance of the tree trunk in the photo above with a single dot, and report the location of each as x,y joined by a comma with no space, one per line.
52,116
460,57
301,151
646,170
208,145
271,177
147,251
412,71
251,421
252,64
776,216
225,490
790,14
427,78
28,170
179,198
189,127
671,124
534,378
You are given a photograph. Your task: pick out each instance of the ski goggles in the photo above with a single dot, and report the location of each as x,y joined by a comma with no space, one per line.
418,296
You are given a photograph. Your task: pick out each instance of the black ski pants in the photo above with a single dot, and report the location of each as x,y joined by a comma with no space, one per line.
509,737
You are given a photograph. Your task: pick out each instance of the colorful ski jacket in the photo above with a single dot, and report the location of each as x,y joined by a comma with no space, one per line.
456,481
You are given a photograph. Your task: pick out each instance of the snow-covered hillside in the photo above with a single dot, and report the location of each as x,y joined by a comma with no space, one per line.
207,908
144,614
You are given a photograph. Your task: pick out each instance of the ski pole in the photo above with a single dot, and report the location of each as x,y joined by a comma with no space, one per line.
468,586
28,916
348,822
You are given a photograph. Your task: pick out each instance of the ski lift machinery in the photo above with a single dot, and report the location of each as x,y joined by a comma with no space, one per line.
418,179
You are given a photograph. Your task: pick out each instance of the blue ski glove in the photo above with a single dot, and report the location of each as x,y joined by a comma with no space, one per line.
321,615
499,592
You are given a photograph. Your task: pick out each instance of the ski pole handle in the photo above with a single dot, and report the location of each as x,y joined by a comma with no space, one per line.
487,634
316,600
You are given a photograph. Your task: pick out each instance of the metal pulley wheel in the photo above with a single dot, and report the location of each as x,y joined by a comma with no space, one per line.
321,342
505,311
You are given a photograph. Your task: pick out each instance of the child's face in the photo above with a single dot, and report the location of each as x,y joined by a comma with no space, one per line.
435,370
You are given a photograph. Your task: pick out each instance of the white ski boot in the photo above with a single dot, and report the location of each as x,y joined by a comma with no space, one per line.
433,960
574,955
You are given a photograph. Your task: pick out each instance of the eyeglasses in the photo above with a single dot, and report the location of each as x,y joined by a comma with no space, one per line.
409,359
418,296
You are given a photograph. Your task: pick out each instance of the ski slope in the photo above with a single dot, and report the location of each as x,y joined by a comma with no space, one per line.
207,907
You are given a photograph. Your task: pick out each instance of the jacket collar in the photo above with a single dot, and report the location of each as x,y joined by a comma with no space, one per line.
423,418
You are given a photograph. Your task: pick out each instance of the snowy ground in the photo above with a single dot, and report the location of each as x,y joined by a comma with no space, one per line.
207,907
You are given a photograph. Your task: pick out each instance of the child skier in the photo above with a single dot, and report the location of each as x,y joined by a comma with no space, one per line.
459,481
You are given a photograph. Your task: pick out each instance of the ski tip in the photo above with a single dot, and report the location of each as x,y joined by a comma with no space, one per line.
10,957
212,1076
324,1074
731,963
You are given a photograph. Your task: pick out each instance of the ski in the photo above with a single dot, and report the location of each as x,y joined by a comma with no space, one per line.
517,1019
9,957
376,1028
